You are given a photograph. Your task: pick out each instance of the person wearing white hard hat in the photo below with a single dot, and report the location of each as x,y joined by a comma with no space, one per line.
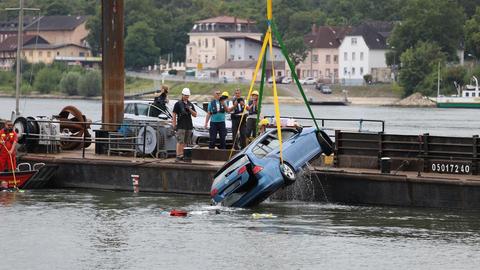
183,111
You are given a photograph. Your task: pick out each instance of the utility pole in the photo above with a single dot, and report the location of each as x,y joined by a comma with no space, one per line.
19,52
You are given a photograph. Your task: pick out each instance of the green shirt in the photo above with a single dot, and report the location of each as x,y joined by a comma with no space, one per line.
217,117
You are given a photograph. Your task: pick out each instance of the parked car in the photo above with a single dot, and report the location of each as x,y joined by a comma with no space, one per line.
308,80
143,110
325,89
256,172
287,80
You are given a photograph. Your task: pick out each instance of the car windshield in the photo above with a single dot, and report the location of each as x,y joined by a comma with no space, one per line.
271,142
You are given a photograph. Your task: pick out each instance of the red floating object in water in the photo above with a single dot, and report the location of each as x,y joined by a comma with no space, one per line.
178,213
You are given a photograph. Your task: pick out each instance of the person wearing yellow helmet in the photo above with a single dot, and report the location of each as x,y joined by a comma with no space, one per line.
217,110
263,125
238,122
252,108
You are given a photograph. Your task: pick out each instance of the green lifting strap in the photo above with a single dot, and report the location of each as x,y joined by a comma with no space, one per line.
260,96
292,69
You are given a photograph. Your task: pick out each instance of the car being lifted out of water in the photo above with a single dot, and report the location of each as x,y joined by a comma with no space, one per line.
256,172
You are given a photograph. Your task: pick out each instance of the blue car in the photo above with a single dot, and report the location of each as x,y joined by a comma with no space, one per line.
255,173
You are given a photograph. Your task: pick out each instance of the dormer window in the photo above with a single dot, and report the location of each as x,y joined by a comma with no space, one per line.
354,41
239,27
195,27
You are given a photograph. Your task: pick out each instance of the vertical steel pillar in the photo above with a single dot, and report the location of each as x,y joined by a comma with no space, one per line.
113,62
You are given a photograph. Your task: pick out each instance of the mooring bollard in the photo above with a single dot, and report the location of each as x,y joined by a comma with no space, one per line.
385,164
135,180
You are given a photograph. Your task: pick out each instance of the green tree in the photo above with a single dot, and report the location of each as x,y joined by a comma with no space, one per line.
419,68
58,7
140,49
426,20
47,80
472,35
69,83
452,76
94,26
90,84
297,50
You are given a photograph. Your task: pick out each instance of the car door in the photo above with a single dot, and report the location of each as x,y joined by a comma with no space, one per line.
301,148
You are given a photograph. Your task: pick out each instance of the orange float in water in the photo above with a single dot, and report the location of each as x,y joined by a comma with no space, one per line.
178,213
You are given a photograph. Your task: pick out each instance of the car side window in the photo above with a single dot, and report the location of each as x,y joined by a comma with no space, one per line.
142,109
129,108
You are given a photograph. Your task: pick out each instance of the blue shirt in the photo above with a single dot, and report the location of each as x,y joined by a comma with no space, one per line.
218,117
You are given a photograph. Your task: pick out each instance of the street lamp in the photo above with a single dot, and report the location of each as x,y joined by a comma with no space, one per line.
474,58
311,57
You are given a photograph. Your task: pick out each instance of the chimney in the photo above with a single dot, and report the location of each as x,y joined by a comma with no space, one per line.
314,28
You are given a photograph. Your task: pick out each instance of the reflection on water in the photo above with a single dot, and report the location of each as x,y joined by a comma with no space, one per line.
82,229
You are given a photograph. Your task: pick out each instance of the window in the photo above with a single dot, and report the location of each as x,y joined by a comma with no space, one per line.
327,72
345,56
344,71
239,27
199,43
361,56
467,94
353,56
250,57
213,40
335,59
206,43
206,59
315,58
353,71
361,71
327,59
142,109
271,143
213,57
40,54
335,73
190,50
81,54
315,74
58,53
129,108
354,41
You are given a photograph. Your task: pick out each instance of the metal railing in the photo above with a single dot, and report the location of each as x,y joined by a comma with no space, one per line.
57,139
324,121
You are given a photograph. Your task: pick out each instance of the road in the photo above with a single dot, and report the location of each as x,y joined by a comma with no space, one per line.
290,89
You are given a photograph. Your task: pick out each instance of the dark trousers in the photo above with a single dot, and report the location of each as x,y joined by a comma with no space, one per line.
240,142
251,127
217,128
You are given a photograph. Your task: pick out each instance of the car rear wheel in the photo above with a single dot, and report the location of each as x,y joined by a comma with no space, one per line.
288,173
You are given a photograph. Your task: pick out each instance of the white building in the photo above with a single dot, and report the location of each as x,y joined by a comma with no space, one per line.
247,49
207,50
363,52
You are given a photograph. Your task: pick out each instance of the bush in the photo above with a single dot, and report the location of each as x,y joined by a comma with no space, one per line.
47,80
7,81
90,84
368,78
69,83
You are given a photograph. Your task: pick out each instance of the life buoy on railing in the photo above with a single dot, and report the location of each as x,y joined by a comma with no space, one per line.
148,135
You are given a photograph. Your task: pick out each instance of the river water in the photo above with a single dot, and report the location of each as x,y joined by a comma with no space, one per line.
414,121
86,229
91,229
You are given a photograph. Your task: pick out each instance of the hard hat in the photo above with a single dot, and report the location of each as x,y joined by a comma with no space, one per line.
264,122
255,93
186,92
225,94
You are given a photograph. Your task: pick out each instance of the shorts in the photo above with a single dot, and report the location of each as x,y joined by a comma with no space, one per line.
184,136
